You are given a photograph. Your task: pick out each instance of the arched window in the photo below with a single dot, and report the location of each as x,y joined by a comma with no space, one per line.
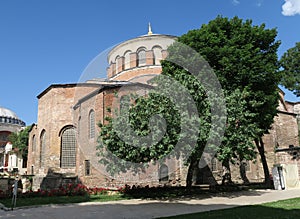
157,54
214,164
33,143
78,126
92,124
42,147
127,59
164,173
68,148
141,57
117,63
124,102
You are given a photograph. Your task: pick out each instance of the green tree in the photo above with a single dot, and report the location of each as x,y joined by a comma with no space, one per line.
19,140
184,107
291,69
238,141
243,56
114,149
244,59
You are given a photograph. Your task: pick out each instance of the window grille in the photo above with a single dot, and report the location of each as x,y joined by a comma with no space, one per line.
87,167
92,124
68,148
247,165
214,164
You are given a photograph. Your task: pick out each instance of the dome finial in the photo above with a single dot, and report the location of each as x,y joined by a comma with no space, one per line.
149,29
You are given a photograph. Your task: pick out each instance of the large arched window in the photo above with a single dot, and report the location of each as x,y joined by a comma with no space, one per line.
92,124
141,57
127,59
164,173
42,148
68,148
33,144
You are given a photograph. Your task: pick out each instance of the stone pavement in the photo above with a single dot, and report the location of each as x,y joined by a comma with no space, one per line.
151,208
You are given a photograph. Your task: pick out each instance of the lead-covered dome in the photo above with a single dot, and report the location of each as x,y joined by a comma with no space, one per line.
7,116
4,112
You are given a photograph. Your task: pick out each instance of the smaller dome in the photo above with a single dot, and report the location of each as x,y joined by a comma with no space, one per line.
4,112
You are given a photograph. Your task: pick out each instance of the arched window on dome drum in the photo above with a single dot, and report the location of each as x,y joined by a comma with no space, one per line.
141,57
68,148
127,59
157,54
164,173
42,148
117,64
92,124
33,144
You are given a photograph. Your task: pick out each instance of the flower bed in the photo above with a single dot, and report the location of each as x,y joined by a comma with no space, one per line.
67,190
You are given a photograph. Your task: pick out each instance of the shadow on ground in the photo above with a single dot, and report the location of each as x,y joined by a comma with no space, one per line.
178,194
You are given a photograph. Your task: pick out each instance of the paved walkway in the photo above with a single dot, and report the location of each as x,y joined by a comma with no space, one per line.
151,208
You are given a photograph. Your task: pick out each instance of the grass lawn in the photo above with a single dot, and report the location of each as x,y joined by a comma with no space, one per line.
62,200
286,209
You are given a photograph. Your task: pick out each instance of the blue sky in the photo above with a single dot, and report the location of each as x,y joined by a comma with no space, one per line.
52,41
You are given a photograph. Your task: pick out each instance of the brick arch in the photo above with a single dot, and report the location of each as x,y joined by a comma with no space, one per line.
157,54
64,128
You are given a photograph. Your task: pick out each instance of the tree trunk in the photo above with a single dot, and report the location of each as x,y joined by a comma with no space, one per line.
243,172
261,149
226,175
189,177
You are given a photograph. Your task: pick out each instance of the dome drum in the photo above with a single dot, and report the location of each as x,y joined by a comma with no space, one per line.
139,52
10,120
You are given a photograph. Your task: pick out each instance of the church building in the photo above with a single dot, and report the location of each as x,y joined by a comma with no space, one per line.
62,145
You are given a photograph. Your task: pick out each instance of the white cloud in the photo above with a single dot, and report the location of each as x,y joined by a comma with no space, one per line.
259,3
235,2
291,7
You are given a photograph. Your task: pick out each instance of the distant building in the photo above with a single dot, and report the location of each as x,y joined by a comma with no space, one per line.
10,159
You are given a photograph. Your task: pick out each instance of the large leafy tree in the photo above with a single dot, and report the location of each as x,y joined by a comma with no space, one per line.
238,141
244,56
19,140
116,149
184,107
290,63
244,59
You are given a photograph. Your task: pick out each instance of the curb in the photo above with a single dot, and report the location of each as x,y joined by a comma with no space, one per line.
2,207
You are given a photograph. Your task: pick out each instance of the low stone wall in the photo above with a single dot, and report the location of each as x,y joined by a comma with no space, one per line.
6,184
52,182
